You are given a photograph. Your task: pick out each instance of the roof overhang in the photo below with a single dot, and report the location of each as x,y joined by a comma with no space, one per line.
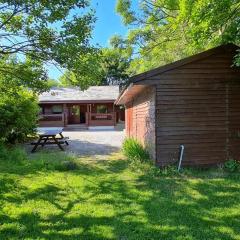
77,101
128,93
141,81
168,67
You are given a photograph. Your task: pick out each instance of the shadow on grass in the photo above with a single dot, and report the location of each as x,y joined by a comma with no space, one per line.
108,200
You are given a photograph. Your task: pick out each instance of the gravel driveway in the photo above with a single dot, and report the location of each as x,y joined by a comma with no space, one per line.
89,142
94,142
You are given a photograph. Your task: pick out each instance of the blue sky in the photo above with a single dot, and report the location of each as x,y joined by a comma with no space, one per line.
108,23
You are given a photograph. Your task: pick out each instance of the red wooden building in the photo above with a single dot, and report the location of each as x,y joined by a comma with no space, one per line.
94,107
194,102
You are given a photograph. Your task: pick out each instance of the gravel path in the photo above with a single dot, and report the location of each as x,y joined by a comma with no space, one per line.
94,142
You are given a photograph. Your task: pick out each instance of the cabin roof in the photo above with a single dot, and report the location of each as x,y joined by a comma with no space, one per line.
74,94
138,83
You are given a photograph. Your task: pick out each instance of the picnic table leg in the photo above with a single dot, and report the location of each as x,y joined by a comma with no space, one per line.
56,141
63,137
44,142
37,144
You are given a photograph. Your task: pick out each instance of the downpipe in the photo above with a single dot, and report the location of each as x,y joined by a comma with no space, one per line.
180,157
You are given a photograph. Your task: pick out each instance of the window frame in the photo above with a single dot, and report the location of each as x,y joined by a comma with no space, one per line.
57,112
102,105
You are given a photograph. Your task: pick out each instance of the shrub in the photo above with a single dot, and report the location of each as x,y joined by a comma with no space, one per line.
231,165
18,111
134,150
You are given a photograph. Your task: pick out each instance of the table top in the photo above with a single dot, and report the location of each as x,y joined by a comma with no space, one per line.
51,131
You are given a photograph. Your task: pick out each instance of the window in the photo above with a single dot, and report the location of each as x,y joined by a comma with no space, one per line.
101,109
41,110
76,110
57,109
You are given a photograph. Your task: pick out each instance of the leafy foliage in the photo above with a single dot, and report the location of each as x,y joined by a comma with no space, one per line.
114,65
27,74
162,31
231,165
18,111
91,72
108,67
47,32
134,150
52,83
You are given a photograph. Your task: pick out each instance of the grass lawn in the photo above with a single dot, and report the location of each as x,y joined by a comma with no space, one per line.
110,200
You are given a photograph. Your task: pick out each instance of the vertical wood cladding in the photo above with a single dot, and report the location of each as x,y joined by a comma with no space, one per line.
140,119
234,119
198,105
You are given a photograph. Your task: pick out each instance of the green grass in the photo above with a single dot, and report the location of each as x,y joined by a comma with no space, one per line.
42,199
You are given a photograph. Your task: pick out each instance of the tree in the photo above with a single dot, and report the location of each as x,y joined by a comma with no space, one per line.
108,67
166,30
115,62
68,79
15,74
52,83
43,32
90,72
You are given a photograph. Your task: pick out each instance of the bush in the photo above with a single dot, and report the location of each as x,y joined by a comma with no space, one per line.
231,165
19,112
134,150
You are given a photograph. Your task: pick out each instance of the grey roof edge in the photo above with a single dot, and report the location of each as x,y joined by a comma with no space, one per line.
74,94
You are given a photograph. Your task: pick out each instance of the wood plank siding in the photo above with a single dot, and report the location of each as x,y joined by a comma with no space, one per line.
198,105
140,119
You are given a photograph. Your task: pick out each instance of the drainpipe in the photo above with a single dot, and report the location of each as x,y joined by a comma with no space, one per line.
180,157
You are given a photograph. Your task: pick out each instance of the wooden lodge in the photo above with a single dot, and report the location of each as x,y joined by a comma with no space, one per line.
92,108
193,102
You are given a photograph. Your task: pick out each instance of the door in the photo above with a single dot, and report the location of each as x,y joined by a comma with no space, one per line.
83,110
74,114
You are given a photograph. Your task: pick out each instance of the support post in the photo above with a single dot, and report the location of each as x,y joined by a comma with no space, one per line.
88,114
65,115
114,115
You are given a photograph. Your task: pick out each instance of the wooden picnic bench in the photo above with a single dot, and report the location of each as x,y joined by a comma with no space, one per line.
49,137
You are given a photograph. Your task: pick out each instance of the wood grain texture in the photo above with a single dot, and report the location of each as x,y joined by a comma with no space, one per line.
140,119
198,105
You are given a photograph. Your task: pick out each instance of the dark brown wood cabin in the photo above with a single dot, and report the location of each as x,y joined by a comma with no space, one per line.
194,102
71,107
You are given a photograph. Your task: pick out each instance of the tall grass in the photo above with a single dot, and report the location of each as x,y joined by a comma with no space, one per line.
12,153
14,156
134,150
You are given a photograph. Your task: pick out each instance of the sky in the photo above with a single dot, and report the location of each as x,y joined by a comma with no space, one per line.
108,23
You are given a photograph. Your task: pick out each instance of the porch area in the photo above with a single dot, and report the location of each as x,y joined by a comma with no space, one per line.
78,114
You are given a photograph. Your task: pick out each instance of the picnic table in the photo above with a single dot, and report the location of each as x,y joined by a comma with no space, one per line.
47,136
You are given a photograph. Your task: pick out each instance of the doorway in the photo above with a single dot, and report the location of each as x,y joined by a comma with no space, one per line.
76,114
